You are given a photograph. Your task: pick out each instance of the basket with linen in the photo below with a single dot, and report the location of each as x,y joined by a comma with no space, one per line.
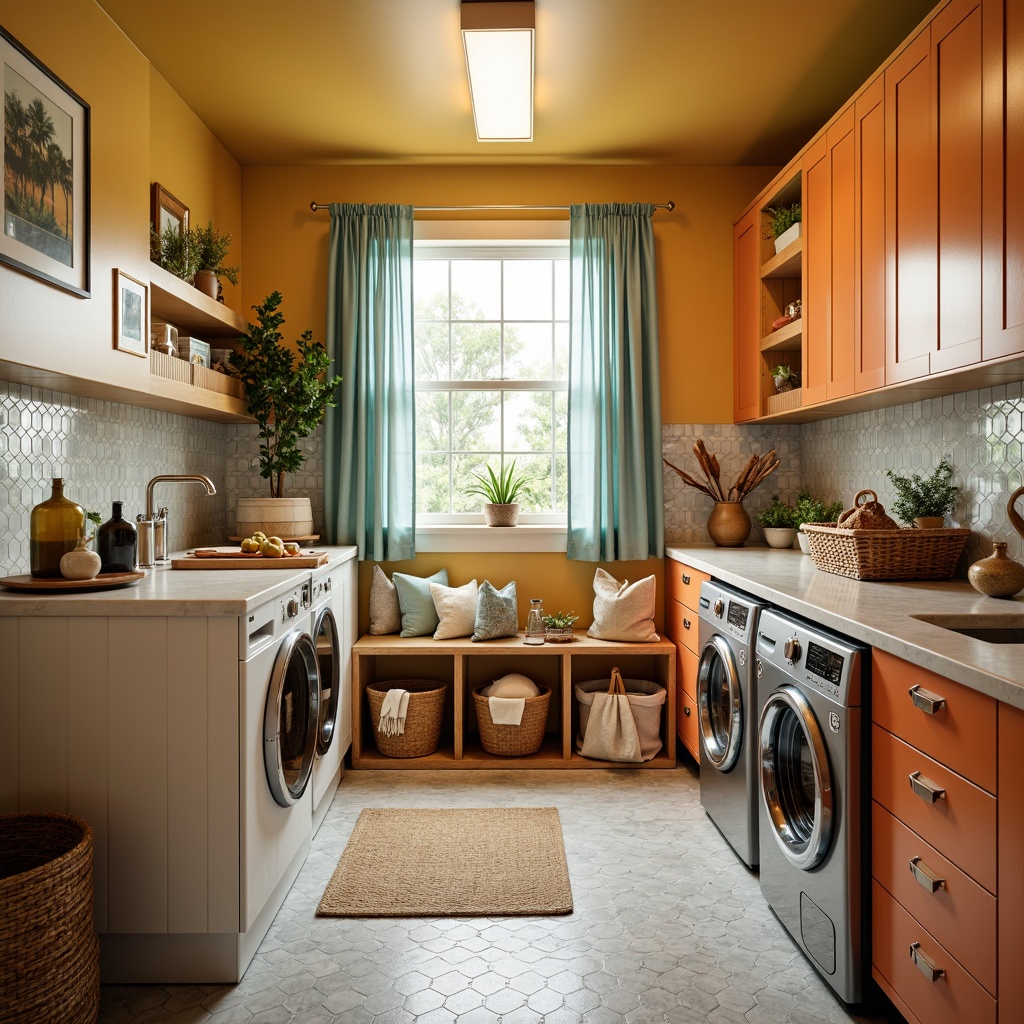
513,740
424,715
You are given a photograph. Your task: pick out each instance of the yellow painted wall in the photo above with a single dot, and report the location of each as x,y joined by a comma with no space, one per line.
42,326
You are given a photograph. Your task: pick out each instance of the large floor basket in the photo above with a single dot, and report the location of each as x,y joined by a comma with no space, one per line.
49,953
423,717
513,740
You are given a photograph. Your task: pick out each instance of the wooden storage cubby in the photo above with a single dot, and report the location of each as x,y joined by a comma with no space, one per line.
463,665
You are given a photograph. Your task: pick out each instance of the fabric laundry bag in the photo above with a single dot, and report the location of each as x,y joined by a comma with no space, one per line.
620,720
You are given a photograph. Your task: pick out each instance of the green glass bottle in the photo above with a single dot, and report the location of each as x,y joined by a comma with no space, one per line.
54,528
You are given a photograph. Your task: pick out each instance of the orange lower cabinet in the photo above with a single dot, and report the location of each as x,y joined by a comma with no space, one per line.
686,724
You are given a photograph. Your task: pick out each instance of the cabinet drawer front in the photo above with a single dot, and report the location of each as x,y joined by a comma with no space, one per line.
683,583
686,724
686,669
682,625
960,824
953,998
961,731
959,913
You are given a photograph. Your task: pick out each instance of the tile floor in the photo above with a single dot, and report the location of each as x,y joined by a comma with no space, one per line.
668,926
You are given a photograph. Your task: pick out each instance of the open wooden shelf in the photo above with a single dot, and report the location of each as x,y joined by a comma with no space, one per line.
785,339
787,263
463,665
193,312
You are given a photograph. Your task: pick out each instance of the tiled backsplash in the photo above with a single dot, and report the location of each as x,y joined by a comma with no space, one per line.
108,452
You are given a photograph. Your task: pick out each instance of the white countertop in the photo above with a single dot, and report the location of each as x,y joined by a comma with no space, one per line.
166,591
880,614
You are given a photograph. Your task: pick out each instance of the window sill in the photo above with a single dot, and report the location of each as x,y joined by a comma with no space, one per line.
550,537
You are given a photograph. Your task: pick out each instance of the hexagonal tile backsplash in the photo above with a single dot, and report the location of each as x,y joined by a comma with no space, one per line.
108,452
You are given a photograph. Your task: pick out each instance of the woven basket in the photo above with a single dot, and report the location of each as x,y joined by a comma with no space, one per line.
885,554
422,719
49,953
513,740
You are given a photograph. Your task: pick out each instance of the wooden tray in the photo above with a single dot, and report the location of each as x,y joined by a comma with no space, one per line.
104,580
218,558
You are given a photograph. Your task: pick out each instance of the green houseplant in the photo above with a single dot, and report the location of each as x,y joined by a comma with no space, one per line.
558,627
777,523
500,492
176,251
927,498
785,223
785,377
213,248
288,392
809,509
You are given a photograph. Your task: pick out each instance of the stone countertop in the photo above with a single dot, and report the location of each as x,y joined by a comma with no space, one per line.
166,591
880,614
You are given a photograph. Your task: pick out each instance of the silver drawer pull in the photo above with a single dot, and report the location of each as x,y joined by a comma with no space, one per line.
925,788
923,964
686,711
686,623
930,703
686,580
925,876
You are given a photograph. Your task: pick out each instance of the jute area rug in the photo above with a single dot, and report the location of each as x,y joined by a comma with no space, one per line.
439,862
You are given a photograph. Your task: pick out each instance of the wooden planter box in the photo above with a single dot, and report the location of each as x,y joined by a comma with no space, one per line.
784,402
164,365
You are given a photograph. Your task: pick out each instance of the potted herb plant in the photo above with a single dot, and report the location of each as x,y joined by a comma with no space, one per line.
500,492
809,509
785,378
288,391
924,501
558,627
213,248
176,251
785,224
777,524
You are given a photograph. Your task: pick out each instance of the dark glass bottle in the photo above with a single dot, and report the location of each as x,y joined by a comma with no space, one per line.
117,542
54,528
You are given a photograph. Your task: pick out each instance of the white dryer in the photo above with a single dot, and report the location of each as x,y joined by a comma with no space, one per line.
328,618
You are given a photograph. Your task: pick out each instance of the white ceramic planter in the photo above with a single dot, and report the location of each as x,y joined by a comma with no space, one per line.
804,542
779,536
791,234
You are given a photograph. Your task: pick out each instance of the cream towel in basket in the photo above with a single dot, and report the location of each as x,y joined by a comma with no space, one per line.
506,710
392,712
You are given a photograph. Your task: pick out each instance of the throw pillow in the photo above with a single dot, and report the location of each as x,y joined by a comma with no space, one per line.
624,611
515,684
456,609
497,613
385,615
419,616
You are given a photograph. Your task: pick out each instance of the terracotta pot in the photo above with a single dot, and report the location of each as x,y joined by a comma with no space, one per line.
929,522
206,282
729,524
501,515
997,576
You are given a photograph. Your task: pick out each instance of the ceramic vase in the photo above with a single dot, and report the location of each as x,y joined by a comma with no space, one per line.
998,575
729,524
81,563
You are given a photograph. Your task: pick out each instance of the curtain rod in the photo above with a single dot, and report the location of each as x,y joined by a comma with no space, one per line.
314,206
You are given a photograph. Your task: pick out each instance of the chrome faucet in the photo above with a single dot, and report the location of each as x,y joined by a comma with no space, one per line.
198,478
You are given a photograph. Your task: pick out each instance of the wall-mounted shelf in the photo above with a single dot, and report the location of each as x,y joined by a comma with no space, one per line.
785,339
190,310
787,263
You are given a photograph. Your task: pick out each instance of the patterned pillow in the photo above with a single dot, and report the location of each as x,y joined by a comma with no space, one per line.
419,616
456,609
385,615
624,611
497,613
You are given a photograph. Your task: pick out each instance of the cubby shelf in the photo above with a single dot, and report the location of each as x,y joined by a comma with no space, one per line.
785,339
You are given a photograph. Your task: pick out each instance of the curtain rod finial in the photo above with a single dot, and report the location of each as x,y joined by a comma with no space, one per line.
313,205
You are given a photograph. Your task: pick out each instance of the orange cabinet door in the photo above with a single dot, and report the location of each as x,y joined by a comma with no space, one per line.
747,317
840,140
817,273
1002,196
869,238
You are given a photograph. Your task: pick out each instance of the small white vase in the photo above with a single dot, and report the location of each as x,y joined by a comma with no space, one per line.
779,536
791,234
80,564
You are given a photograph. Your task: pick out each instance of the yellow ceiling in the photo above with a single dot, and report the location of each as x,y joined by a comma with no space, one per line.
619,81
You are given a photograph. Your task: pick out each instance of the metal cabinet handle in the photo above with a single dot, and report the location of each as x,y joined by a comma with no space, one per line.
930,703
686,711
686,623
686,580
925,876
923,964
925,788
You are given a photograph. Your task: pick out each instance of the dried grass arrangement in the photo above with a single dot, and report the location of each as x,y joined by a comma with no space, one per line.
758,467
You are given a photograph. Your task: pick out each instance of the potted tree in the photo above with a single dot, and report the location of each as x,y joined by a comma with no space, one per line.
288,392
924,501
213,248
777,524
809,509
500,491
785,224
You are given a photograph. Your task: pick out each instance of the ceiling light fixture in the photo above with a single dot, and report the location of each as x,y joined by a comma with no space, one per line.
498,39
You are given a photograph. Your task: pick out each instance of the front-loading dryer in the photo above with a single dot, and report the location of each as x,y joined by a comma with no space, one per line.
727,714
327,640
813,793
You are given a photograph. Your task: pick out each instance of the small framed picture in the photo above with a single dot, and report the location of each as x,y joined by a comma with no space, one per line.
131,314
167,211
45,170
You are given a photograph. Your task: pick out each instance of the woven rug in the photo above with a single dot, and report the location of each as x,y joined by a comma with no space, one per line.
438,862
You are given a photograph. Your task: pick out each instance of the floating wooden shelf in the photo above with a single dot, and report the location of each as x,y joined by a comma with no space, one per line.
785,339
787,263
190,310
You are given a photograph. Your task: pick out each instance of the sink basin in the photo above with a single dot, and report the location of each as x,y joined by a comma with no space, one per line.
992,629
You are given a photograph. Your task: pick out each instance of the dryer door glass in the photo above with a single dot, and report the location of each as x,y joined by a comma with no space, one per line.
796,781
719,704
325,638
290,717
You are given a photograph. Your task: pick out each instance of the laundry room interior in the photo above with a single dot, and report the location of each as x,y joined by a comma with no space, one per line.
512,512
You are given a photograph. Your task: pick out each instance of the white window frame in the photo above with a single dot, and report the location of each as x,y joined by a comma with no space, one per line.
538,532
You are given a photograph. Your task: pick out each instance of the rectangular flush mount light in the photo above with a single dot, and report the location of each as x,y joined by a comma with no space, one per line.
498,38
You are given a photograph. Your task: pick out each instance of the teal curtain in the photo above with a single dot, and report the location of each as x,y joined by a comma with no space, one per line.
616,504
370,456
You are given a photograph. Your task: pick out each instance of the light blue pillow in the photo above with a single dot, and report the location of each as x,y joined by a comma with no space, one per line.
497,614
419,616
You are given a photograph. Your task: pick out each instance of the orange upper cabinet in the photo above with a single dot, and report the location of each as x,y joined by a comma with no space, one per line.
817,274
747,317
1003,195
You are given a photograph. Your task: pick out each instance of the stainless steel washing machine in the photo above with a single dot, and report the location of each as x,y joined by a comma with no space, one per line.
813,793
727,714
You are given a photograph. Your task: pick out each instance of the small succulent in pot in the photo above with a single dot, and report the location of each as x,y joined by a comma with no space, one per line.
920,497
558,627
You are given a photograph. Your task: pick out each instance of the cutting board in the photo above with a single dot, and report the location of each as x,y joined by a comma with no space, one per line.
232,558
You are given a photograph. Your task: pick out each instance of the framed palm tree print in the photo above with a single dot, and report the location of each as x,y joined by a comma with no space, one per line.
45,171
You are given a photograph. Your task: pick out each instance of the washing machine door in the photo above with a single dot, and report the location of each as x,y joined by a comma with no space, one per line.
328,656
290,718
719,704
796,779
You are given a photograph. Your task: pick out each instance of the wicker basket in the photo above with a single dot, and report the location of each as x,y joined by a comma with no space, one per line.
49,953
422,718
886,554
513,740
